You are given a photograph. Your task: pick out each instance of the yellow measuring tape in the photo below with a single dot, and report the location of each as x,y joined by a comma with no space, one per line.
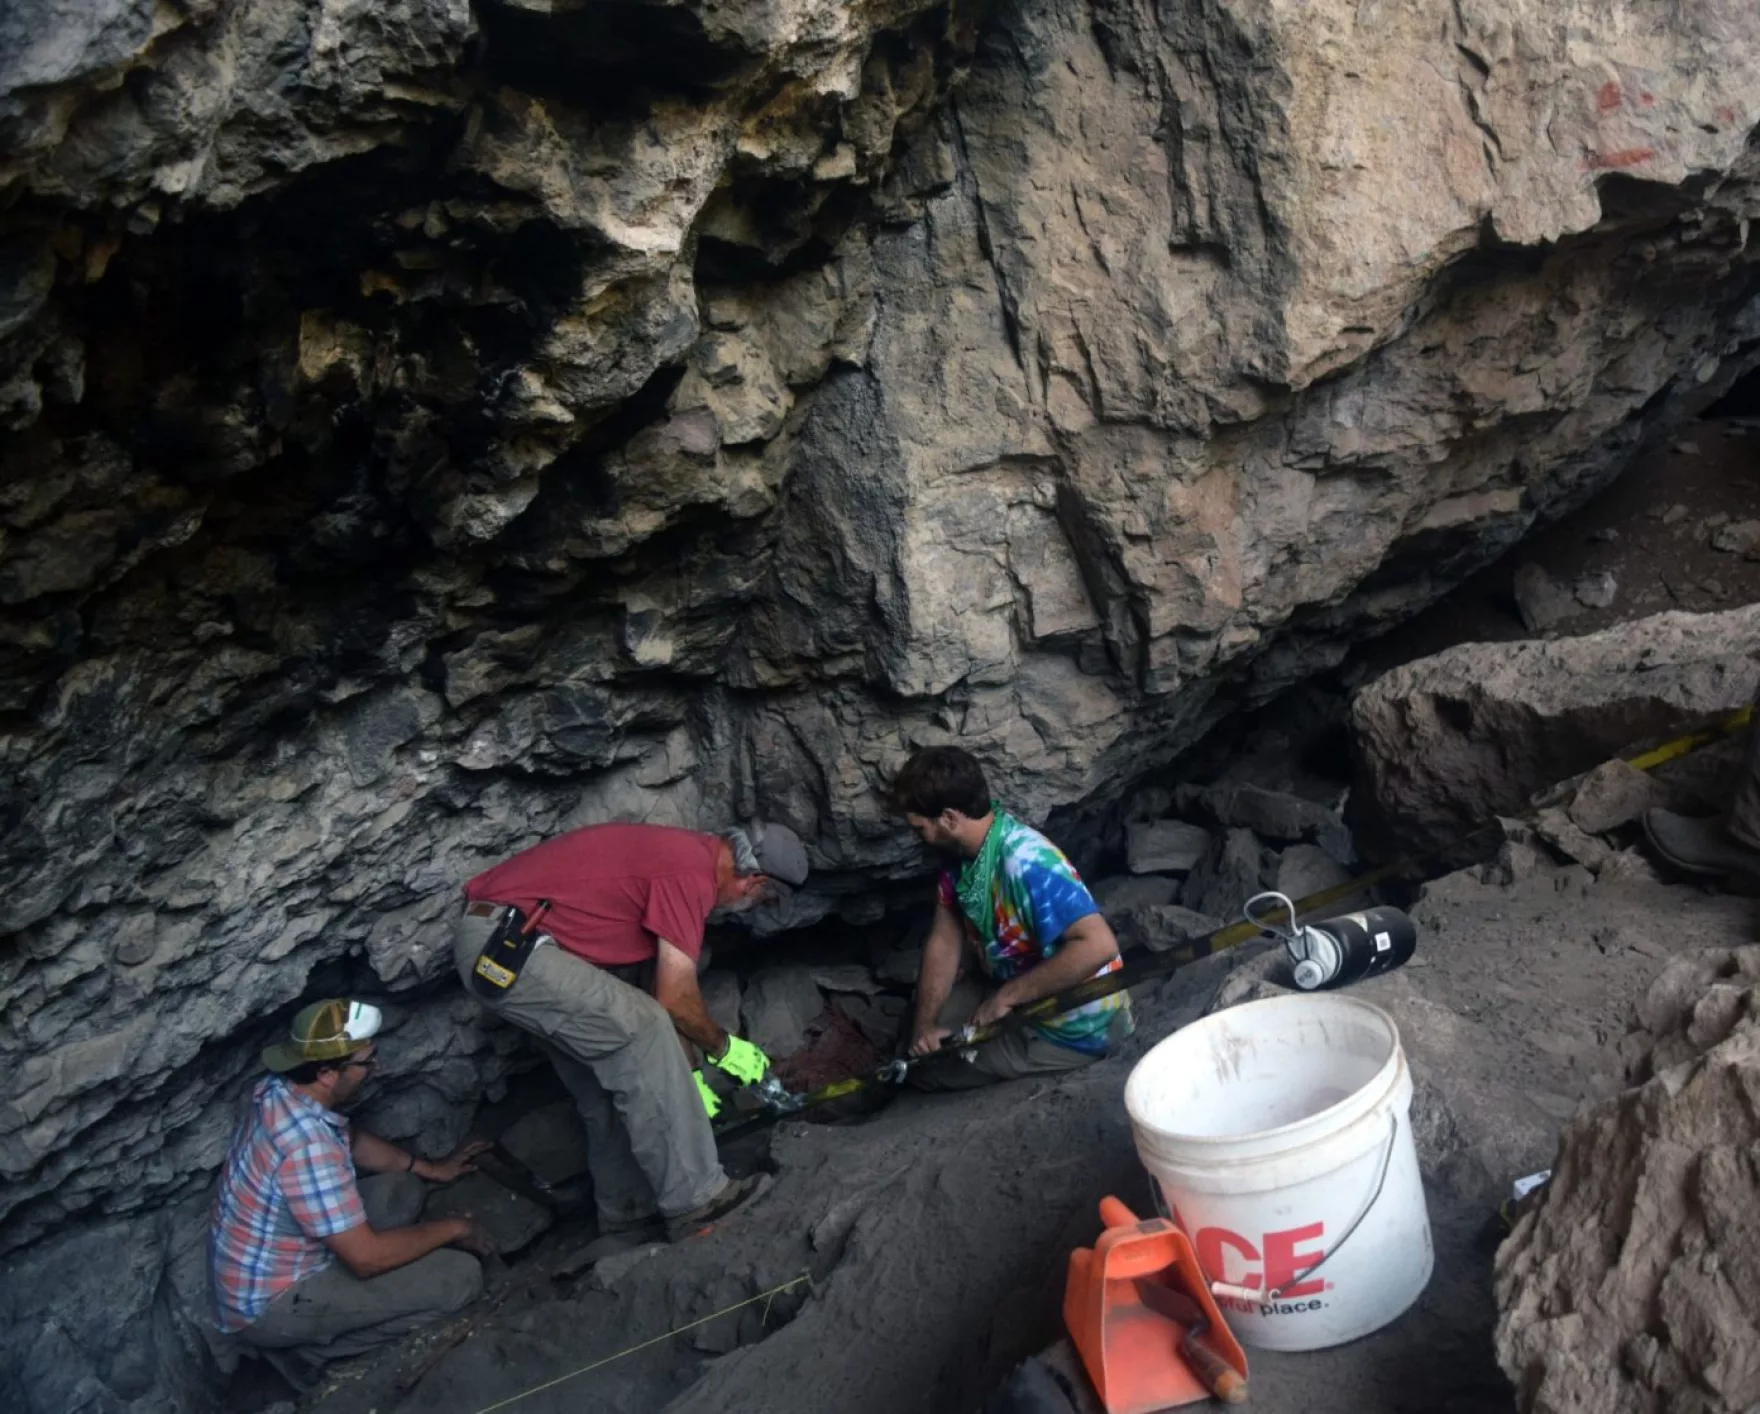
1681,745
765,1296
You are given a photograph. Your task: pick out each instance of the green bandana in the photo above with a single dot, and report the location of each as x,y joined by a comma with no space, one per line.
976,876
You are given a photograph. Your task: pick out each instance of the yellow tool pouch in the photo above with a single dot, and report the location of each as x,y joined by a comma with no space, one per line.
507,951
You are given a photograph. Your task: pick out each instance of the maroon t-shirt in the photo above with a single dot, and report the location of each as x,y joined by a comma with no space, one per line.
613,889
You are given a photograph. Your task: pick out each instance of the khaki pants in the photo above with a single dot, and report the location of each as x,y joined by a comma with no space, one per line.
649,1145
1011,1056
333,1314
1744,814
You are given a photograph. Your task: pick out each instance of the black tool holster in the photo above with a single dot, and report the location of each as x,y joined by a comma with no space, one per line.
498,965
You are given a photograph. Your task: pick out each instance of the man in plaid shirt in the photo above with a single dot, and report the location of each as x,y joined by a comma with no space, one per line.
288,1207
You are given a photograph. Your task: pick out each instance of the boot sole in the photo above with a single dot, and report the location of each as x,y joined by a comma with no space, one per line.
702,1227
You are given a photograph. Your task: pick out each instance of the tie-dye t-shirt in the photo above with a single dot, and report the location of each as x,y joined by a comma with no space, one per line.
1035,895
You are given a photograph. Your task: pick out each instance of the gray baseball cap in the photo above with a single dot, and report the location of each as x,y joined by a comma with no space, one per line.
763,847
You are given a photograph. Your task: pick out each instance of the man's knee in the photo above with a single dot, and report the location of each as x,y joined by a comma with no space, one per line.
457,1278
963,998
392,1199
643,1021
655,1020
1040,1057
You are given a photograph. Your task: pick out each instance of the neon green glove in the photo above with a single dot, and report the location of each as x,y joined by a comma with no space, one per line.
742,1060
711,1101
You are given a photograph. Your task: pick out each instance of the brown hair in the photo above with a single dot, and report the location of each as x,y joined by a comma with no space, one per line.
938,778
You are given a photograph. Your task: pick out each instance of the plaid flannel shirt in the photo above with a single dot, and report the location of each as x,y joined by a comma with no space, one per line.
288,1184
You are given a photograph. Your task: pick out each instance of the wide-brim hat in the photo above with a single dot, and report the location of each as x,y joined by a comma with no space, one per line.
332,1029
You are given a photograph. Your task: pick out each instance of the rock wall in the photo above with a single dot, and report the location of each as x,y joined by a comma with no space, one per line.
1630,1289
431,425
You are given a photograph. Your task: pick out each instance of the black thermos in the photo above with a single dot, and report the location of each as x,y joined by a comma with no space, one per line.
1336,952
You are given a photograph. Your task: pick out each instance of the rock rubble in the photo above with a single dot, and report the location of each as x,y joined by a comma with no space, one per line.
429,426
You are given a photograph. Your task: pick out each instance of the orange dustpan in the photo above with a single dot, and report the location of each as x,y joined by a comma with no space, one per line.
1144,1322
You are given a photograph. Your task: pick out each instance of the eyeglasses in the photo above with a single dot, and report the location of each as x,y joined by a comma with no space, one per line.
365,1062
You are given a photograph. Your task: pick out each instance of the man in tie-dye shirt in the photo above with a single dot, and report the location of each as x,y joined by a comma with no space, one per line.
1013,903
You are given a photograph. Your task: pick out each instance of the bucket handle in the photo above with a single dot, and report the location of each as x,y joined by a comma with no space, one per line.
1356,1222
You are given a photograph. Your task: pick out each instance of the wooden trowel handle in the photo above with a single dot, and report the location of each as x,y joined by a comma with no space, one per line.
1219,1377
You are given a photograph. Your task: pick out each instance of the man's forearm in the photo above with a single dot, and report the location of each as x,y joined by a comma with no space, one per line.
375,1155
1075,962
936,976
403,1245
399,1246
692,1020
676,989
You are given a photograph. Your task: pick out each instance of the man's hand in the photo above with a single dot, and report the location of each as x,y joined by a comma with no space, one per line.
929,1040
742,1060
454,1165
993,1008
711,1101
471,1238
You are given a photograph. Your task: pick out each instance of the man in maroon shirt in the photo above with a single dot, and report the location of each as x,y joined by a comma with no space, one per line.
611,984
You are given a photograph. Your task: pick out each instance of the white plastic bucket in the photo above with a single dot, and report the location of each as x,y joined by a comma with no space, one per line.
1280,1135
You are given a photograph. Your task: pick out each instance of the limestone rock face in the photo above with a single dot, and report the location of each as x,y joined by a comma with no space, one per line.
1449,742
431,425
1630,1289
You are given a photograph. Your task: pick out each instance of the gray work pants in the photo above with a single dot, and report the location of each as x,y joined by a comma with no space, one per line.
649,1145
1744,814
1011,1056
333,1314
